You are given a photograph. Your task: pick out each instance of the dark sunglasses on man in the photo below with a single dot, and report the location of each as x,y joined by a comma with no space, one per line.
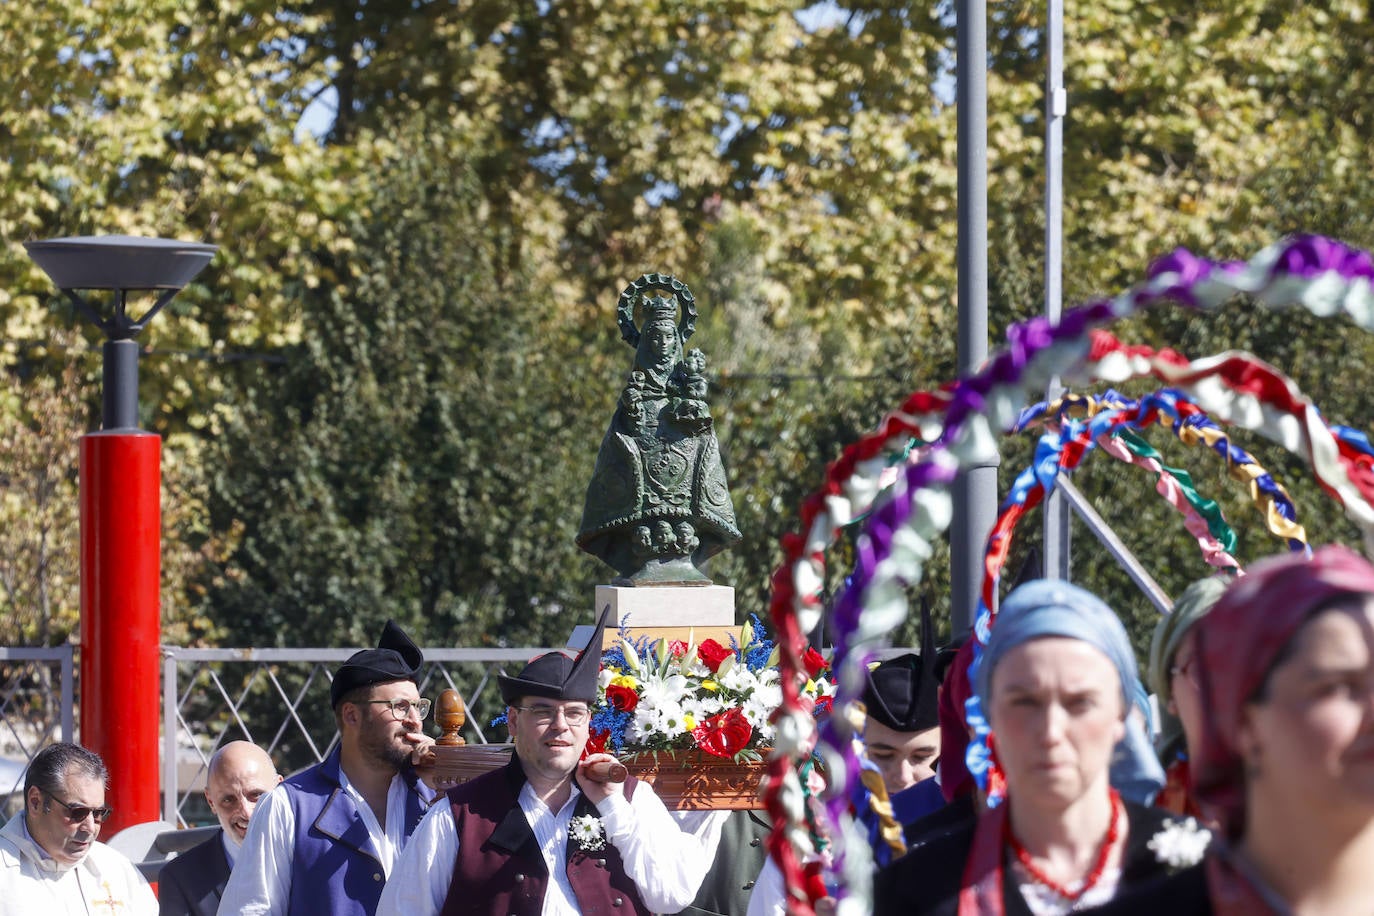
78,813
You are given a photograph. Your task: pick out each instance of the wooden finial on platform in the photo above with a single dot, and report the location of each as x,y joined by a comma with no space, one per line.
450,715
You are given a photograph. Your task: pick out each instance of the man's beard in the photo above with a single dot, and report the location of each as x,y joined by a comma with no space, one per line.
377,743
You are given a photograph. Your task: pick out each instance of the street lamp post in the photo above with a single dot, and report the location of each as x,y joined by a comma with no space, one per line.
121,511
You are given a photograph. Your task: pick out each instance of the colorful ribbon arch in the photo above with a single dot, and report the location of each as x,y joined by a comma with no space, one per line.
1191,426
1323,276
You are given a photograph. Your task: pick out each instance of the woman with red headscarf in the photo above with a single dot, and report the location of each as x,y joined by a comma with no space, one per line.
1286,670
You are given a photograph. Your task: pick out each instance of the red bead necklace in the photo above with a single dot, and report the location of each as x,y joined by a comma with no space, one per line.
1024,857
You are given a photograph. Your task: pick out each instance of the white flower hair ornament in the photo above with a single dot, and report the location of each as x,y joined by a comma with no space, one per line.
1180,843
588,833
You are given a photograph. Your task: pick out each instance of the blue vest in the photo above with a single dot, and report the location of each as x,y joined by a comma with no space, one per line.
335,868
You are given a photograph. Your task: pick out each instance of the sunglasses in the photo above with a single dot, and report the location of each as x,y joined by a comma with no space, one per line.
78,813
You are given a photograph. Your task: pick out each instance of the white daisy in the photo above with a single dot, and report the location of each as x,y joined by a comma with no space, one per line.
645,725
739,679
672,720
769,695
756,711
588,833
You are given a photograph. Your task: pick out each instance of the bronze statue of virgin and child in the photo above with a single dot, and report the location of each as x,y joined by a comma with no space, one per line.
658,506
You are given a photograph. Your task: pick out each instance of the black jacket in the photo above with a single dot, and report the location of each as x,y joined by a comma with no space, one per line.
192,883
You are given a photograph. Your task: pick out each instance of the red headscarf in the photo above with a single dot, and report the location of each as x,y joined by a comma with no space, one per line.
1237,644
955,779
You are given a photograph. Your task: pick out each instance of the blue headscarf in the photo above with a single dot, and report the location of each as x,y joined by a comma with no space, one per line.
1051,607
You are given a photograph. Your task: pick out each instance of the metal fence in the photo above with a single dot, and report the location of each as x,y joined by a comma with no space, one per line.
37,707
279,700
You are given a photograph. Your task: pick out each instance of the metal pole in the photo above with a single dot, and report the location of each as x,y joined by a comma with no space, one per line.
975,490
171,791
1119,551
68,713
121,545
119,385
1056,516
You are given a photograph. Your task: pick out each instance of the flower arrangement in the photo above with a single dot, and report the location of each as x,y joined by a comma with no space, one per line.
667,696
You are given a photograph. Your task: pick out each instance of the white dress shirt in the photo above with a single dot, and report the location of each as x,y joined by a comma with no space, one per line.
665,864
260,883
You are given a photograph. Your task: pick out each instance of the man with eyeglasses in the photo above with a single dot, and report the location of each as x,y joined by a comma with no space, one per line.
50,861
326,841
547,833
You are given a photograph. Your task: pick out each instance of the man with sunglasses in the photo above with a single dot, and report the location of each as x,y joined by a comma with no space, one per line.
50,862
546,833
326,840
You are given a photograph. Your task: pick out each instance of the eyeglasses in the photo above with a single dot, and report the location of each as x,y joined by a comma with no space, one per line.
400,709
78,813
544,715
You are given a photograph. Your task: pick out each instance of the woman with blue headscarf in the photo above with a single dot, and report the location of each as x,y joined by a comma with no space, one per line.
1057,683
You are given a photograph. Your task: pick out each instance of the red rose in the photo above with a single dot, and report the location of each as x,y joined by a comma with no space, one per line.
815,662
622,698
713,654
725,734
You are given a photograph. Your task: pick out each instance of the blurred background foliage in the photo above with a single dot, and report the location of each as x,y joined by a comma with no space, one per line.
385,395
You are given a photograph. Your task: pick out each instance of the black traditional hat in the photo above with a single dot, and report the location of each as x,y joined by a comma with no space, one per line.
396,658
902,692
556,676
946,655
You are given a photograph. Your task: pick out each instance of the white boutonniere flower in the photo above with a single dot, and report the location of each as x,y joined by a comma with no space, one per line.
588,833
1180,843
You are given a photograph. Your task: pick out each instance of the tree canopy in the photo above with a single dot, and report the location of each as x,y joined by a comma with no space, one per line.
384,396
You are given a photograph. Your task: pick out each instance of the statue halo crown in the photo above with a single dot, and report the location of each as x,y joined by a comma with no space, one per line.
679,303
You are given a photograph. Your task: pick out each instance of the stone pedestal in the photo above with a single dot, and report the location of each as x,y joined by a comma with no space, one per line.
665,612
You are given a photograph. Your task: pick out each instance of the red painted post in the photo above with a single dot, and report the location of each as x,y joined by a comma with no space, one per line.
121,624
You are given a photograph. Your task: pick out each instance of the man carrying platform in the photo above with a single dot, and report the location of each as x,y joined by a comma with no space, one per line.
326,840
543,834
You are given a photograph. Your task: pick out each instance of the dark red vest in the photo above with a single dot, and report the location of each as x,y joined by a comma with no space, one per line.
500,872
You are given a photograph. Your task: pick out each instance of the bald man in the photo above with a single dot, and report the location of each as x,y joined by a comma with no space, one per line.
192,884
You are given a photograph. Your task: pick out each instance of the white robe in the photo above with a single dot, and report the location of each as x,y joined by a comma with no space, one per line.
103,883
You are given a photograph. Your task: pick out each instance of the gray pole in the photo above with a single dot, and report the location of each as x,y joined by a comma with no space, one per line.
119,385
975,490
1056,511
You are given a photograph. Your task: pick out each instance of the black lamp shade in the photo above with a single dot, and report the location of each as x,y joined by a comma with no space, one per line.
123,262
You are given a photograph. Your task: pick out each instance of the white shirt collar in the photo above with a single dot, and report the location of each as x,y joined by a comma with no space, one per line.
231,847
